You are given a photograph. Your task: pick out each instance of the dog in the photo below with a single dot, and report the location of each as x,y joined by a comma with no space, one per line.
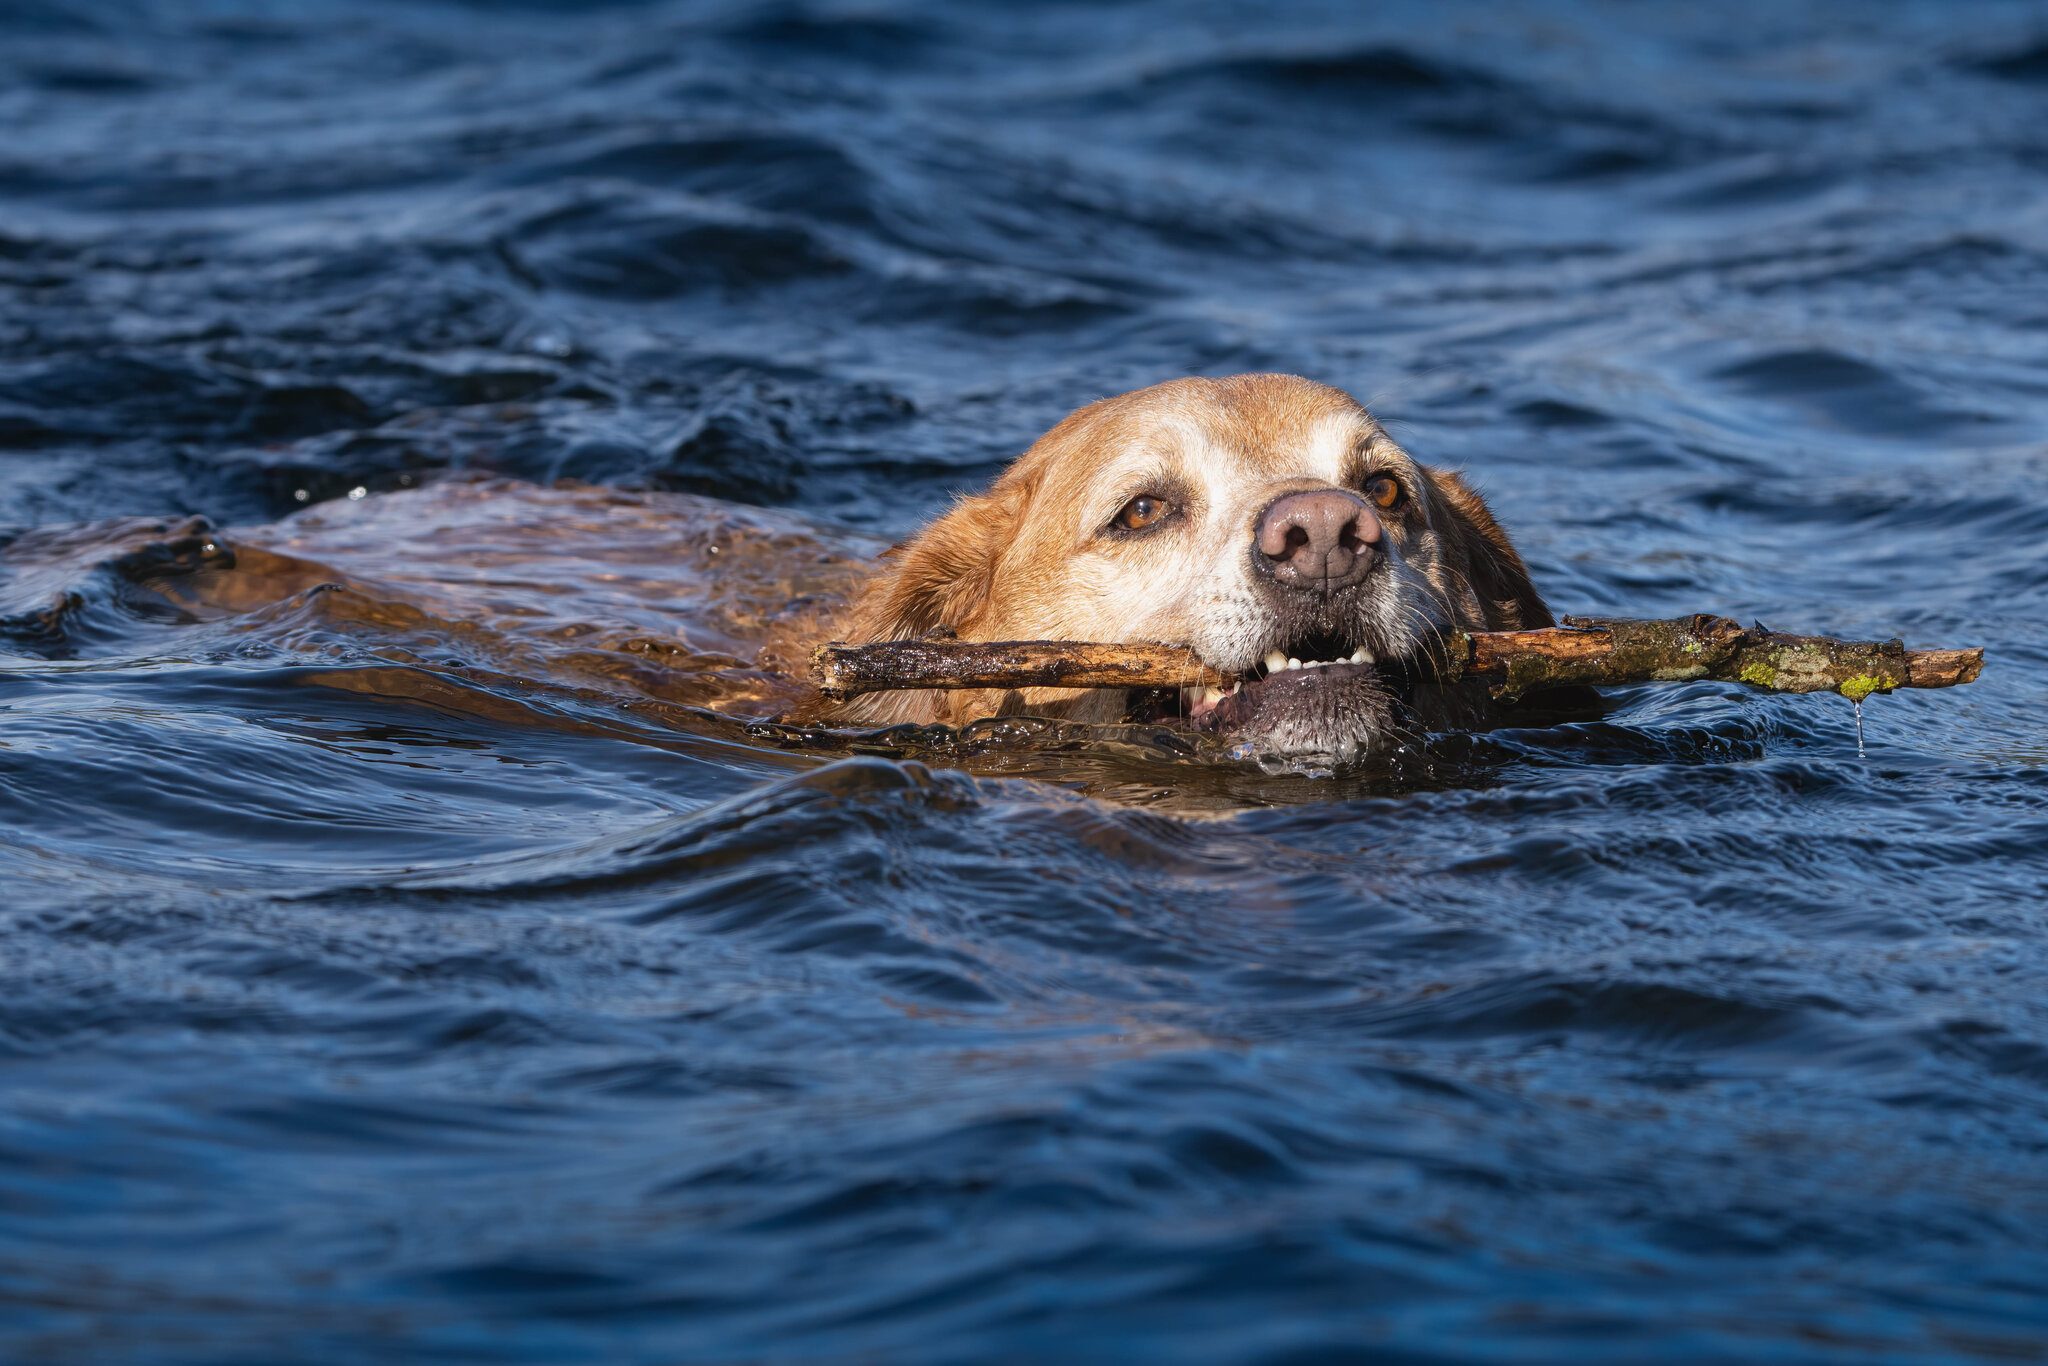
1267,521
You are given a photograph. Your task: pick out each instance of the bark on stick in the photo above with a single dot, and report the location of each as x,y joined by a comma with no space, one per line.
850,670
1585,650
1597,650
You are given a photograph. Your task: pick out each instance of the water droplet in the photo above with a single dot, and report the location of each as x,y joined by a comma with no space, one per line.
1859,728
358,493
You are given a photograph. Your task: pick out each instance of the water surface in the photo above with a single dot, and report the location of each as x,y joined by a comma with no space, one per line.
399,958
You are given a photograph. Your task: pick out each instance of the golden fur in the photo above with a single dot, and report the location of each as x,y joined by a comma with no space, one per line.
1030,558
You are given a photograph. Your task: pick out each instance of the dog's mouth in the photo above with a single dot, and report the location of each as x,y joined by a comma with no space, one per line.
1316,661
1322,694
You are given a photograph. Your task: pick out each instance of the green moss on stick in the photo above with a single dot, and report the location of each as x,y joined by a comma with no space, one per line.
1762,675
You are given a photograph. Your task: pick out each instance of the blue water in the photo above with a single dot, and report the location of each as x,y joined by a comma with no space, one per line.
375,986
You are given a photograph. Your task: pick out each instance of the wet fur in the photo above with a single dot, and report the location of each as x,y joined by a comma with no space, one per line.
1029,559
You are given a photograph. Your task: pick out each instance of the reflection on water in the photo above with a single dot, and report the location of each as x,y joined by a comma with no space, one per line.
430,433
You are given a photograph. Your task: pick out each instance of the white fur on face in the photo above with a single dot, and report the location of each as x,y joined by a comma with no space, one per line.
1196,582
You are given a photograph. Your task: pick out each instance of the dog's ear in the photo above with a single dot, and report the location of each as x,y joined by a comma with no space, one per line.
1496,582
943,576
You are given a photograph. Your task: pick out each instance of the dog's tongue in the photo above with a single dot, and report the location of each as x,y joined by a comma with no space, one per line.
1199,704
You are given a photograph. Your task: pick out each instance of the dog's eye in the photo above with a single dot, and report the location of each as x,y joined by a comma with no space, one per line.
1384,490
1141,512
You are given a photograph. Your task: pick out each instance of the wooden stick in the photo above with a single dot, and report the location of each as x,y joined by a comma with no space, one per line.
1607,650
850,670
1585,650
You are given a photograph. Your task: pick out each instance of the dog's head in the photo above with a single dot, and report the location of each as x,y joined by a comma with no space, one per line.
1262,520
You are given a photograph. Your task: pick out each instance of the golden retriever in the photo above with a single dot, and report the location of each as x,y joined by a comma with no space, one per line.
1267,521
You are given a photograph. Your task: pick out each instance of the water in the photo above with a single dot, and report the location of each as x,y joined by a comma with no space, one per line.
408,969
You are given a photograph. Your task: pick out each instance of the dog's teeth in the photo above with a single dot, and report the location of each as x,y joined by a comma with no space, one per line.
1275,661
1212,695
1235,688
1293,663
1361,655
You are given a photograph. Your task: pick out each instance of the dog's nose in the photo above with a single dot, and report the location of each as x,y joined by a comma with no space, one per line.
1324,539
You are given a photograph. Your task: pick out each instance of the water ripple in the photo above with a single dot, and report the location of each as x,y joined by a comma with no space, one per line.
421,426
